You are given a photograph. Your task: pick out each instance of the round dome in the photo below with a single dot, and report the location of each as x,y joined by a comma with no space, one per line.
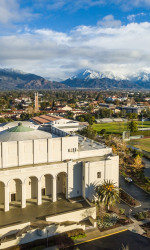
21,133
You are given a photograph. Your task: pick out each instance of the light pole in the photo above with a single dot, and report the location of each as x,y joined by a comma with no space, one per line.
47,236
130,211
142,121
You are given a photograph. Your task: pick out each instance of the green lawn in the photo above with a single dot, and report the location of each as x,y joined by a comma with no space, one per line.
117,127
143,144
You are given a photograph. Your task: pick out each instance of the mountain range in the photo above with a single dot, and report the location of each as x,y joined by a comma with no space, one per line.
14,79
11,79
109,80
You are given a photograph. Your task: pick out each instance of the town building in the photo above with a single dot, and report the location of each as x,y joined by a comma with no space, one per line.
64,124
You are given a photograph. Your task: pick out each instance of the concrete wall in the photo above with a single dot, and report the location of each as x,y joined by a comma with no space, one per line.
5,230
37,234
74,179
78,215
94,152
38,151
9,154
109,170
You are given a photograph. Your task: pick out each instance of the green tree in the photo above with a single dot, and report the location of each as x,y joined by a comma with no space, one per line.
44,105
107,193
133,126
89,132
69,115
25,116
137,164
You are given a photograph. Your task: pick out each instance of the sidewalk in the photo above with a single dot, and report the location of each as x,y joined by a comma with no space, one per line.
135,227
93,234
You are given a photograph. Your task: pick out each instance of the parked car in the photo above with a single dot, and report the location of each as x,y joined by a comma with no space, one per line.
128,179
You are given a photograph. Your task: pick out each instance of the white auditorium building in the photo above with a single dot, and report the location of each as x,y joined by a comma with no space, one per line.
45,171
37,161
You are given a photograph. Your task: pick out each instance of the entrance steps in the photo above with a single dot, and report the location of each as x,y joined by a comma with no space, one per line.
76,199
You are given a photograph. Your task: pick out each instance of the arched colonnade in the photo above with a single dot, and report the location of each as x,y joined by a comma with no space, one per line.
33,189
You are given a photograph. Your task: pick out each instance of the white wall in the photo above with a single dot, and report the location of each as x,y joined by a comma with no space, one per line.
69,143
40,151
78,215
74,179
109,170
94,152
37,151
9,154
25,152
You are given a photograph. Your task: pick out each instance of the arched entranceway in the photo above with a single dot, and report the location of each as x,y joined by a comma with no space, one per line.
62,185
15,187
2,195
31,189
47,187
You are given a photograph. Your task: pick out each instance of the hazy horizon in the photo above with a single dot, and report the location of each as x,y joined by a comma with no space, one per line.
56,39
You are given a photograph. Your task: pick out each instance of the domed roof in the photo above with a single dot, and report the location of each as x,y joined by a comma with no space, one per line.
21,133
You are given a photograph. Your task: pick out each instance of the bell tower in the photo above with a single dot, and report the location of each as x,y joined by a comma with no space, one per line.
36,102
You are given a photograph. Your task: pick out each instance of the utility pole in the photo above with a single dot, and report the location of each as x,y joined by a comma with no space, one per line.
142,121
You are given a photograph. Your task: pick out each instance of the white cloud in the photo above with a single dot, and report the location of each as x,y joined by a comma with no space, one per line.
109,21
8,11
134,16
11,12
122,49
84,4
130,4
67,4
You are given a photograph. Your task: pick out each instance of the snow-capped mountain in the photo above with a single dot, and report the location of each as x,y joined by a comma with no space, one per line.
11,70
140,76
16,79
90,74
108,79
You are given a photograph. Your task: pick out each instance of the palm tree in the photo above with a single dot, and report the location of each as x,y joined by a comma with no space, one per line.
107,193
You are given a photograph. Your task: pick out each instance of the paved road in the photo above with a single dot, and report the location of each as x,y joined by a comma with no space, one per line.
136,193
147,167
114,242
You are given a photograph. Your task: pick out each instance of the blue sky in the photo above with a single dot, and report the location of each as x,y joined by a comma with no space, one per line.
56,38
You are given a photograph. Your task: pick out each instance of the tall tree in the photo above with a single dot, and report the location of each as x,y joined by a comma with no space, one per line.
107,193
133,126
137,164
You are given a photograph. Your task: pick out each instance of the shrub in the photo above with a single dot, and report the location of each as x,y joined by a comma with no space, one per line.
64,241
122,210
80,236
141,216
75,232
123,174
108,220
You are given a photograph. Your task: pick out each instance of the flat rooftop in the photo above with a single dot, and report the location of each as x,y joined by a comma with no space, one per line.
88,144
33,212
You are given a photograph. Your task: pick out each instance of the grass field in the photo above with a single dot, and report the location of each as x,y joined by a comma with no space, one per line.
143,144
117,127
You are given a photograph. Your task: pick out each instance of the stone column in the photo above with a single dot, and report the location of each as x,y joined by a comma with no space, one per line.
69,179
39,193
6,204
23,195
66,186
54,198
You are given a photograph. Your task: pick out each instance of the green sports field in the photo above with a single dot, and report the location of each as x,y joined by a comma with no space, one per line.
143,144
117,127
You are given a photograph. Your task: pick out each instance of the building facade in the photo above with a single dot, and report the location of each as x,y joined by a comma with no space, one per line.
44,161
